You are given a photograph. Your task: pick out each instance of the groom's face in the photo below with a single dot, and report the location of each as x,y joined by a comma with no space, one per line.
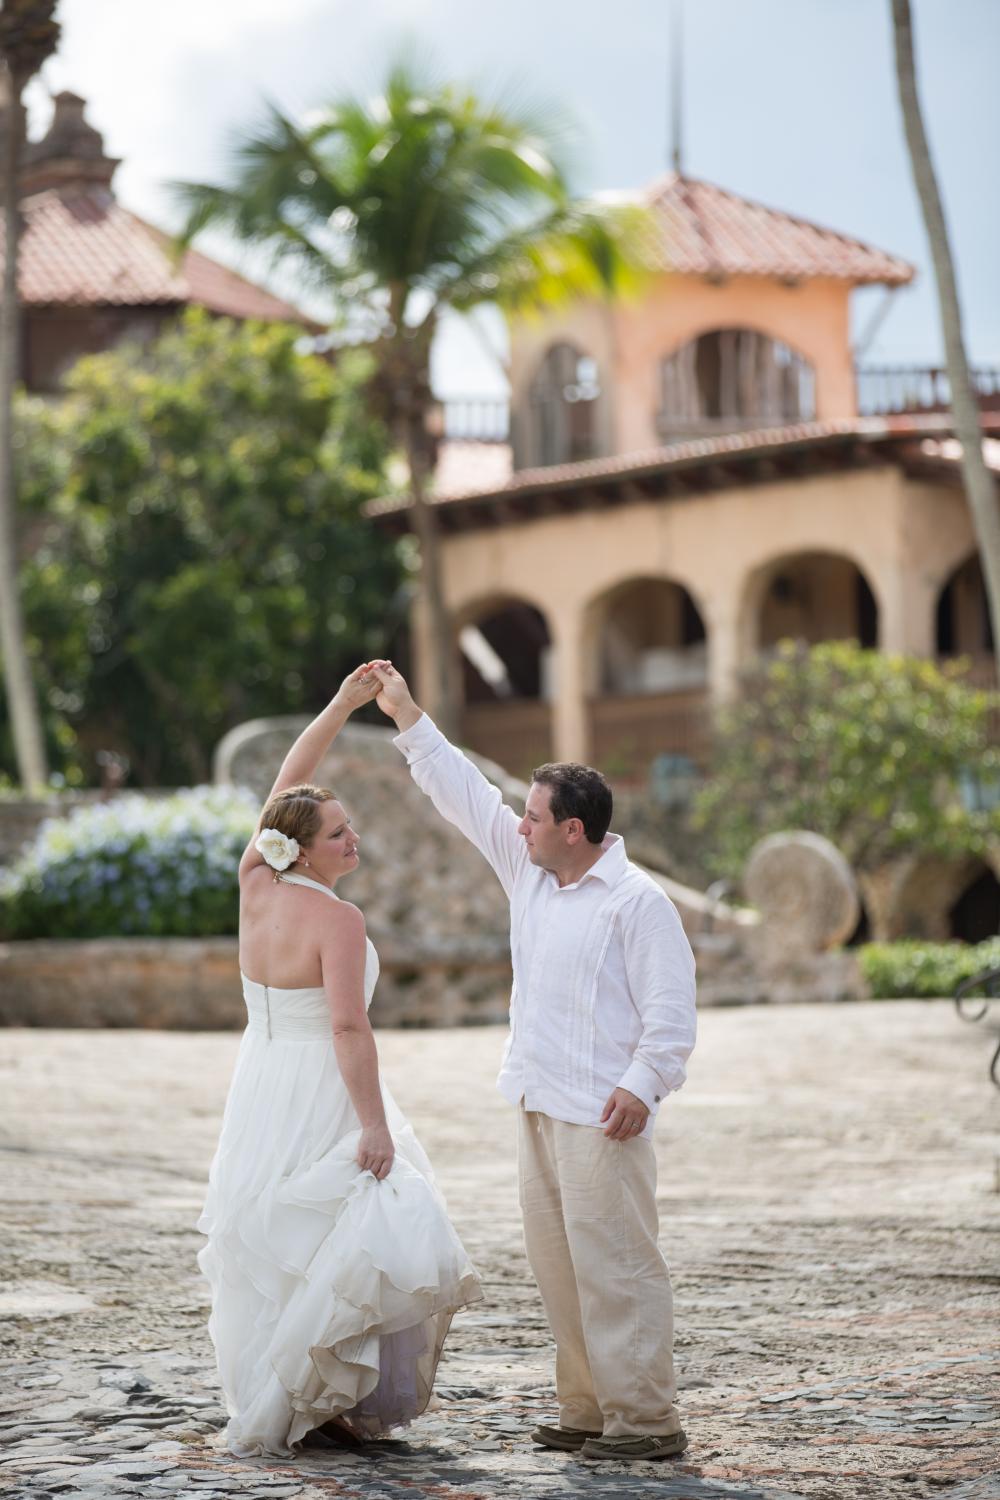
544,837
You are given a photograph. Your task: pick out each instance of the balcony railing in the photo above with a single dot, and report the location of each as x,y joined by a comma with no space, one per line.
883,390
893,390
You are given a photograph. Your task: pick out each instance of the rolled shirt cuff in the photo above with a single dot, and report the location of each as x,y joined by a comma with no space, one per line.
419,739
645,1083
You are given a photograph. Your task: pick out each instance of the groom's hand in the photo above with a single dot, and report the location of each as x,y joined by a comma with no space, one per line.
393,697
624,1116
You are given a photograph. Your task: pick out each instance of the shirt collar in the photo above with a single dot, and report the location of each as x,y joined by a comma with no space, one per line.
609,868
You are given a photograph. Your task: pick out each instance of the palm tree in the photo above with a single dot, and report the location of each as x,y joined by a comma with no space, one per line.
979,485
423,200
28,35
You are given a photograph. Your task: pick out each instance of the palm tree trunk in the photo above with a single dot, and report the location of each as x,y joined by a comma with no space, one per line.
439,673
22,704
980,489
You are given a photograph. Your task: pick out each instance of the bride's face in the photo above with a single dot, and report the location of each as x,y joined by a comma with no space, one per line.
334,850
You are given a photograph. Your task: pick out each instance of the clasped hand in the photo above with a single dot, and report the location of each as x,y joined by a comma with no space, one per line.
373,679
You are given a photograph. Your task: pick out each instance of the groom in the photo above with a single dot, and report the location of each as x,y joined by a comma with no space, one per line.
602,1019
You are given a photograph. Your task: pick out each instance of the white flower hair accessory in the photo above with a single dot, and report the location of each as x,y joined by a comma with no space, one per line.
277,849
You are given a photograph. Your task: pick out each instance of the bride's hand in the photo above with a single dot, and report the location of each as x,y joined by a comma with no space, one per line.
376,1151
358,687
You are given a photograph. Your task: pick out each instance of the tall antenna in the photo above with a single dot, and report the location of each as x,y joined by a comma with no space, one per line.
677,85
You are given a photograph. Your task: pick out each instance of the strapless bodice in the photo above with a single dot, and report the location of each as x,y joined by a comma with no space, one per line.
298,1013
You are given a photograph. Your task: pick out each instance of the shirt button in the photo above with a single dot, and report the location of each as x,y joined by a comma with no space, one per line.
656,1098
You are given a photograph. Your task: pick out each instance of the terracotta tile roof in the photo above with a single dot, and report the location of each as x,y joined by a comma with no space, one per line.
709,231
82,249
895,431
465,465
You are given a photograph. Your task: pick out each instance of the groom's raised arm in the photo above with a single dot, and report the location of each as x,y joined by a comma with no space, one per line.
458,789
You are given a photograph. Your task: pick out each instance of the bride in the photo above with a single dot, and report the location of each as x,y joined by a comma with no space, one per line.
333,1266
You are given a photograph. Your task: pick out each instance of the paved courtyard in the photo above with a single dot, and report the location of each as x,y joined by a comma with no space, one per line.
829,1203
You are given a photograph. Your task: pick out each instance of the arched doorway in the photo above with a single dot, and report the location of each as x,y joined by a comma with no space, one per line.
561,416
505,649
732,378
962,622
975,916
812,597
648,688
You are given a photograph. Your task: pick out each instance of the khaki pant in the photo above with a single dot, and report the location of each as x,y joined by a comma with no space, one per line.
590,1229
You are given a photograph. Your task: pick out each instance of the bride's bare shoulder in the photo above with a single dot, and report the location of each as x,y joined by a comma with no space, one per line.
347,920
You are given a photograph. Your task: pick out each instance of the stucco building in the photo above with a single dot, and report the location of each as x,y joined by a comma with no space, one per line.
690,477
90,273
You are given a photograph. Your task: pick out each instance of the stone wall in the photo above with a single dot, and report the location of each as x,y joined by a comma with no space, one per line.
194,985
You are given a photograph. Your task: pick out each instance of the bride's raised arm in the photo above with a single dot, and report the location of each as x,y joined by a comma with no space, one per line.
299,766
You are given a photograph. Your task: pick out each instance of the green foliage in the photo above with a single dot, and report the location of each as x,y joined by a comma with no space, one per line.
198,553
865,748
135,867
924,970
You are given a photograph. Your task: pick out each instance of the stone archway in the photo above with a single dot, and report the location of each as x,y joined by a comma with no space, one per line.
975,914
962,616
505,650
809,596
647,686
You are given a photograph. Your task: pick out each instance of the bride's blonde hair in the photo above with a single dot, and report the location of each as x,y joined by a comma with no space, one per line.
295,812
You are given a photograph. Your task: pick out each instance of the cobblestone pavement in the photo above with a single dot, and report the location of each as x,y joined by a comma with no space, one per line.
829,1208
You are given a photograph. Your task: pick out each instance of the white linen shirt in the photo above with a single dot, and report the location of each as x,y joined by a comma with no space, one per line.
604,989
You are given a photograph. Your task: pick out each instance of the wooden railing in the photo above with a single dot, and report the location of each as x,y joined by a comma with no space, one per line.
515,732
893,390
628,733
981,671
882,390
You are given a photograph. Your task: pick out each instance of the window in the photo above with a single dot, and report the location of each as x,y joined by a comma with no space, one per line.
562,405
734,377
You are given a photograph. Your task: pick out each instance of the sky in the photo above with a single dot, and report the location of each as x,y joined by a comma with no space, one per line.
791,102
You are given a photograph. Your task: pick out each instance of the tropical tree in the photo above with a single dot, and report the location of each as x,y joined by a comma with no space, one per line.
28,35
199,554
980,489
400,208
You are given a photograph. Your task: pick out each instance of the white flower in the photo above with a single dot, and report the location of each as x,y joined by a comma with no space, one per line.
278,849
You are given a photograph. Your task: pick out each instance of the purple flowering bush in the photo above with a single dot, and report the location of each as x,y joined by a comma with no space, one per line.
134,867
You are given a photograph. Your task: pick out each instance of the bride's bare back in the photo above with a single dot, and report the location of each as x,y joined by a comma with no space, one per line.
282,928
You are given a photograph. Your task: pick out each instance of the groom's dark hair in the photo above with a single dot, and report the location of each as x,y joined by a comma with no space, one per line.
577,792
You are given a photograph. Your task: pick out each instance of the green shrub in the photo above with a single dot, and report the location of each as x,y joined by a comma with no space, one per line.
867,749
135,867
917,970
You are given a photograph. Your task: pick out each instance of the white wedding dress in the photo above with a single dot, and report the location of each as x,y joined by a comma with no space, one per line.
332,1292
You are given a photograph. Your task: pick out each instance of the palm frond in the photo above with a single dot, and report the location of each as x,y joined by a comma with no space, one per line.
209,207
576,250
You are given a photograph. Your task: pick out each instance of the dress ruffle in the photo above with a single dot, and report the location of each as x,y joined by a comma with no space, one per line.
332,1292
